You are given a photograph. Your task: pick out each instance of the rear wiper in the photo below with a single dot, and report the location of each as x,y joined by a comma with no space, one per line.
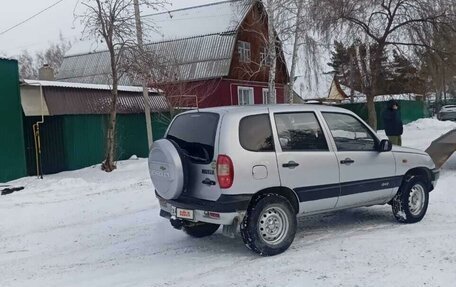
193,157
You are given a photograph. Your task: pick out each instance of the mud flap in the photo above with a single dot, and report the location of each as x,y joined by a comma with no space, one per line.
233,229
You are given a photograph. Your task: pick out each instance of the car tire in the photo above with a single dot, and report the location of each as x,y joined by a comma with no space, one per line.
411,202
269,226
200,229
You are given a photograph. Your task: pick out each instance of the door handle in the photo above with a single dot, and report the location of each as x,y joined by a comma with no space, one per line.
347,161
290,164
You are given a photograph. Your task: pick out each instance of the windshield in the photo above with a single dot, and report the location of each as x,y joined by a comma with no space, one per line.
195,133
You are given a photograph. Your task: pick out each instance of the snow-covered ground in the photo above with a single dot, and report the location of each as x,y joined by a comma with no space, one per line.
89,228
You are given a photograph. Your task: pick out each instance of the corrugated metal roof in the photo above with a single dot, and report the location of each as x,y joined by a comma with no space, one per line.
199,41
79,85
74,101
213,18
202,57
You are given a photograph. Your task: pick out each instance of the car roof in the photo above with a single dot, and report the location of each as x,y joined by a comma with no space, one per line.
273,108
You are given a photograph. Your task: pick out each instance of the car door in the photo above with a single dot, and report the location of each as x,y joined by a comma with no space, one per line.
366,175
305,161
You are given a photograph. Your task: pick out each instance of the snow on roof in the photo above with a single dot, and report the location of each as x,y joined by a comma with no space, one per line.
83,86
213,18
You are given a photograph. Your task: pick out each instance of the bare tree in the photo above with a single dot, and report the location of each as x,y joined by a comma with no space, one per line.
438,66
53,56
27,67
297,33
113,23
271,10
293,28
403,24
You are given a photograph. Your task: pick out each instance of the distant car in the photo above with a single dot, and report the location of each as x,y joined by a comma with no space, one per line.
254,169
447,113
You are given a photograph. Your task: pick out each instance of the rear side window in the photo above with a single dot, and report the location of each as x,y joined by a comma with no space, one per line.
195,134
255,133
300,132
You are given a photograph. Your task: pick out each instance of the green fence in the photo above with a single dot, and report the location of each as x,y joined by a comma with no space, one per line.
410,111
12,156
75,141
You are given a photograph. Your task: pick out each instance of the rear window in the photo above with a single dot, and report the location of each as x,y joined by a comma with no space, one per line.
255,133
195,134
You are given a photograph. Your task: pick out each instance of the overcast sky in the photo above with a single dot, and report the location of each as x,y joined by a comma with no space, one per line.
37,33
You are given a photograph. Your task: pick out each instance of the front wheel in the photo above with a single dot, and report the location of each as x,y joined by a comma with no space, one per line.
269,225
411,202
200,229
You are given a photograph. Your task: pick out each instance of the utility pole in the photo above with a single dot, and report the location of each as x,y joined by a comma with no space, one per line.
139,35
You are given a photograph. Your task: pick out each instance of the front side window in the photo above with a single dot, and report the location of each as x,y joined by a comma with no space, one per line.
255,133
195,134
300,132
244,51
349,133
245,96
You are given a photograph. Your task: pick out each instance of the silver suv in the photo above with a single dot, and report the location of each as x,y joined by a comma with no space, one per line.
254,169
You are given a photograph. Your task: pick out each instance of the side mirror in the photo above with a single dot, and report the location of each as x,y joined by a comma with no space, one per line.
385,145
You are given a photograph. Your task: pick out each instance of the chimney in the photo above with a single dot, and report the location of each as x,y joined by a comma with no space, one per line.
46,73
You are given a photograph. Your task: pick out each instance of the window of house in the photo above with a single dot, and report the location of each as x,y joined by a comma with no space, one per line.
349,133
255,133
300,132
266,96
245,96
244,51
264,57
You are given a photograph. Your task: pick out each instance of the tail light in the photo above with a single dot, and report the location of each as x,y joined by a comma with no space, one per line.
225,171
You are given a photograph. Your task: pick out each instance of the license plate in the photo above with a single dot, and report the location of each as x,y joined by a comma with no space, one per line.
184,213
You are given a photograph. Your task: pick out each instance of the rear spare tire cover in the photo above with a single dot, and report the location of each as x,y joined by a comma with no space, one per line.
166,169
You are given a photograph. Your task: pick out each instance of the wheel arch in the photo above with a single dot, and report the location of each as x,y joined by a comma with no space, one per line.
420,171
288,193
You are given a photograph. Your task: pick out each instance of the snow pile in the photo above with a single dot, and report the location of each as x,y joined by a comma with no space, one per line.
431,124
419,134
90,228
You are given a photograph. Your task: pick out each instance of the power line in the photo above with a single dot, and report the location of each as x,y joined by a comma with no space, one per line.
31,17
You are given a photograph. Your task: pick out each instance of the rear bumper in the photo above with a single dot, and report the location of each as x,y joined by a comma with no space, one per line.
223,211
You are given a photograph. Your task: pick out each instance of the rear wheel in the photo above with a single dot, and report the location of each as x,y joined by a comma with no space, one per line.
269,225
411,202
200,229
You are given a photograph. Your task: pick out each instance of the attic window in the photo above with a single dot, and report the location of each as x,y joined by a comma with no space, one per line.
244,51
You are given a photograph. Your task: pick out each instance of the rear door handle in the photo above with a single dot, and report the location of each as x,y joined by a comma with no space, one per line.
290,164
347,161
